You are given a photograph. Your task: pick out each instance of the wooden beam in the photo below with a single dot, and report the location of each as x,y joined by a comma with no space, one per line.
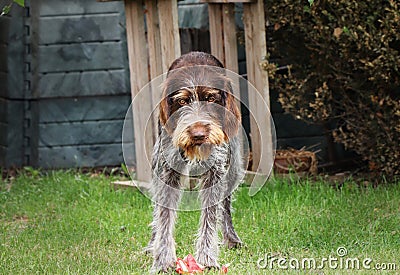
138,66
216,31
155,57
169,31
229,37
256,51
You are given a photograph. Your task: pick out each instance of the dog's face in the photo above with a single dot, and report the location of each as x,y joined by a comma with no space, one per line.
198,109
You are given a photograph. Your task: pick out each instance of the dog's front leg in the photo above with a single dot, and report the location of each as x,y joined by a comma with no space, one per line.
207,243
166,195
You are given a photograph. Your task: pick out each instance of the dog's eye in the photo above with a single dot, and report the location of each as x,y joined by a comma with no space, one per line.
211,98
182,102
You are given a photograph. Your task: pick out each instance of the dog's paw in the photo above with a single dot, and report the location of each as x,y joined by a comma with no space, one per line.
162,267
233,244
208,262
148,249
232,240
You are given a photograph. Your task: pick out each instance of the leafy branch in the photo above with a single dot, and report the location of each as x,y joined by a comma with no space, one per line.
6,9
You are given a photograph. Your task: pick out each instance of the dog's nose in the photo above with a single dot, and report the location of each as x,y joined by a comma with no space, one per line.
198,134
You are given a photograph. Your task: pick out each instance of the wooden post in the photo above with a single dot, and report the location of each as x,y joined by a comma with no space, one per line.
138,66
230,38
216,31
155,57
256,51
169,30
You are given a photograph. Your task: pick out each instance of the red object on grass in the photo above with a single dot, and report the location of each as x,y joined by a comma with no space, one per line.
188,265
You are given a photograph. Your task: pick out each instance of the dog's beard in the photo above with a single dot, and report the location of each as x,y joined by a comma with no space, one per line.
194,150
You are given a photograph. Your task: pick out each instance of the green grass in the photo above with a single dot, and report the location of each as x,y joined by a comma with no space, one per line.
72,223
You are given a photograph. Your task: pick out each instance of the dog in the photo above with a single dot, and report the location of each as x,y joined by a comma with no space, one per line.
199,122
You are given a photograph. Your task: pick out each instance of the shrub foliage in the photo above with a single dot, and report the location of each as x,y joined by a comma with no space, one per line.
344,62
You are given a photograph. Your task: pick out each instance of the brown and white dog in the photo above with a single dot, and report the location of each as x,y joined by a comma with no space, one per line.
199,123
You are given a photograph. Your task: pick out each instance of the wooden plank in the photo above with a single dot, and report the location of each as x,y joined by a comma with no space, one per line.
216,31
131,184
87,83
155,56
81,57
56,8
256,50
169,31
3,84
230,38
3,155
11,132
154,39
86,28
80,133
3,135
3,58
138,65
249,176
81,156
4,29
3,109
83,109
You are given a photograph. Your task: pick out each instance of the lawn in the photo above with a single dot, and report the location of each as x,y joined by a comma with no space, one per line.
66,222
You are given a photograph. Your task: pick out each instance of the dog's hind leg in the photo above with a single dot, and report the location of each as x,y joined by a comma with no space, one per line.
234,175
231,239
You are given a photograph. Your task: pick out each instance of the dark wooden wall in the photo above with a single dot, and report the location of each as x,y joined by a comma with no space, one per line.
12,104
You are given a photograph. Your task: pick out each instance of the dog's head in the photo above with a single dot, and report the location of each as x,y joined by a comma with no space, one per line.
198,109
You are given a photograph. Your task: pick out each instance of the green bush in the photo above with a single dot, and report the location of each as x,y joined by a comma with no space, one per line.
344,62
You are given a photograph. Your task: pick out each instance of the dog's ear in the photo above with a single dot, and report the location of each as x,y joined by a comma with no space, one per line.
232,120
164,109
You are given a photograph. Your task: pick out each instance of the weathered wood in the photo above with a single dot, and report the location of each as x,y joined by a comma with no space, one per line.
256,50
4,29
81,57
169,31
11,133
216,31
80,133
86,83
80,156
130,184
230,39
155,56
3,58
85,28
55,8
83,109
139,77
3,131
3,84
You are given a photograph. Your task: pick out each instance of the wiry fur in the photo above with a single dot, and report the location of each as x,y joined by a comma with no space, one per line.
217,157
